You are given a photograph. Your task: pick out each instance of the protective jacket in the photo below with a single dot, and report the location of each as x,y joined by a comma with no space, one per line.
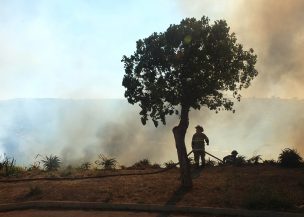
198,141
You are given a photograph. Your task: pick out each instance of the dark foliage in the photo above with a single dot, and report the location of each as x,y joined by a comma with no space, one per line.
190,64
170,164
290,158
143,164
255,159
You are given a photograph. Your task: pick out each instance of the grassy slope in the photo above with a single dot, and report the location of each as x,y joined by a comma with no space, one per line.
262,187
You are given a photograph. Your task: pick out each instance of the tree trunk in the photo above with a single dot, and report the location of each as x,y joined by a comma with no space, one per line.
179,136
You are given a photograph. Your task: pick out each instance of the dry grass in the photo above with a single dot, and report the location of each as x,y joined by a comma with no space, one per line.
213,187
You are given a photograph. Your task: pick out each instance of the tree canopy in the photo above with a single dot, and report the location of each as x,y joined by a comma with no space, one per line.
190,65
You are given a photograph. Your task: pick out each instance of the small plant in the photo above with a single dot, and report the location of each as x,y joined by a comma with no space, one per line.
67,171
270,162
170,164
36,165
8,167
51,163
255,159
290,158
141,165
155,166
85,166
240,160
105,162
210,163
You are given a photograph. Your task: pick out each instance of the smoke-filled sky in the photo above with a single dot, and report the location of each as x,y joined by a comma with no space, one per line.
72,49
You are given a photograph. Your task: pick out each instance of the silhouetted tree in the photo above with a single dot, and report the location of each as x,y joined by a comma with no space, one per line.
190,65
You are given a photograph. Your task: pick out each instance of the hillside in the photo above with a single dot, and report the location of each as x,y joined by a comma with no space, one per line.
250,187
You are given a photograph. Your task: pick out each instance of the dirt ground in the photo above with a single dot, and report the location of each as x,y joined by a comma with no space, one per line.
39,213
226,187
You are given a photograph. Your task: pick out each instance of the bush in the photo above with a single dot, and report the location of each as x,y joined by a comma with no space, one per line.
34,167
170,164
67,171
211,163
141,165
255,159
155,166
290,158
105,162
51,163
270,162
85,166
8,167
240,160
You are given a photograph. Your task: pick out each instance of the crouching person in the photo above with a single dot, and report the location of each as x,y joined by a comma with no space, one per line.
230,159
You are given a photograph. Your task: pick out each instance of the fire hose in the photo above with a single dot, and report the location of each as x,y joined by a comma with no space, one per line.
206,153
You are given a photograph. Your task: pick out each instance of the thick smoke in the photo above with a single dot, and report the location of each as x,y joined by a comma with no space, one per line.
275,30
79,130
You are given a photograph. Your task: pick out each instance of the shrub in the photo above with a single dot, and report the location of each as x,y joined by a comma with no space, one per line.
67,171
270,162
170,164
105,162
8,166
155,166
141,165
240,160
51,163
85,166
290,158
34,167
255,159
210,163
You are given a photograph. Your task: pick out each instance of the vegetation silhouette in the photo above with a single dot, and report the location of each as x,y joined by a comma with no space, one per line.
290,158
191,65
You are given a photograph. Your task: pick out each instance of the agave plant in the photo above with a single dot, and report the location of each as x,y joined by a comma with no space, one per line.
105,162
290,158
51,163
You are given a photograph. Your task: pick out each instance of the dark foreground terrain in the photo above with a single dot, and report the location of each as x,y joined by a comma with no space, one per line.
261,187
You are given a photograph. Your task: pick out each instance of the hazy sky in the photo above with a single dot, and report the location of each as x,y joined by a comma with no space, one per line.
73,48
